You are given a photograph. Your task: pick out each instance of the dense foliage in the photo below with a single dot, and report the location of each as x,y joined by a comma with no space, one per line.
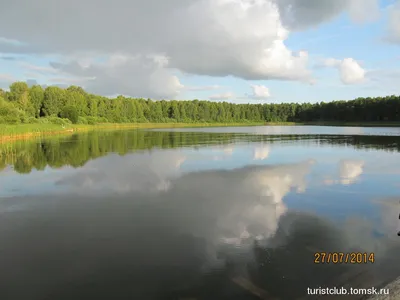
70,113
76,150
23,105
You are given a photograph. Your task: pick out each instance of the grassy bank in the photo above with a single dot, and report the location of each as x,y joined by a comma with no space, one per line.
23,131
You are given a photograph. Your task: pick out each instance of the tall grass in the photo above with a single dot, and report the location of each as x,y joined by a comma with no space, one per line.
10,130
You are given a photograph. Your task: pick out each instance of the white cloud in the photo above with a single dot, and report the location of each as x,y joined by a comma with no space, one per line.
138,76
223,96
299,15
241,38
259,92
394,23
6,41
208,37
203,88
331,62
364,10
47,73
40,69
350,70
71,81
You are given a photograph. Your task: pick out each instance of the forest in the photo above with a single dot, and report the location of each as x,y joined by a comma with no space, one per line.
76,150
24,104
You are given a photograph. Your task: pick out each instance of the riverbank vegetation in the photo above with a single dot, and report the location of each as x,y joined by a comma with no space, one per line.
24,131
63,107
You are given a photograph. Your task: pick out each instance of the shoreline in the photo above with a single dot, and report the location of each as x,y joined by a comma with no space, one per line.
28,131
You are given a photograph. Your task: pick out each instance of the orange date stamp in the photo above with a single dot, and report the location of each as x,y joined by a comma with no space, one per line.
344,258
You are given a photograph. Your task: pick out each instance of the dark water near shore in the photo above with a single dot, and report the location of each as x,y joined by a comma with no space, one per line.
214,213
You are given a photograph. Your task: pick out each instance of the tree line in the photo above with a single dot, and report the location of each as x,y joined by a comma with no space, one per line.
76,150
24,104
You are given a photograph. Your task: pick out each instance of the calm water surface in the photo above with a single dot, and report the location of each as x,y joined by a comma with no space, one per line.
298,130
214,213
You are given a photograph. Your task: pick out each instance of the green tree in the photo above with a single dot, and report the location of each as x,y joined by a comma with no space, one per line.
75,96
19,94
92,106
53,101
10,113
37,96
17,91
71,113
36,102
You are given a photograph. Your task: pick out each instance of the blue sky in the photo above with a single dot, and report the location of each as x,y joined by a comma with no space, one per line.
242,56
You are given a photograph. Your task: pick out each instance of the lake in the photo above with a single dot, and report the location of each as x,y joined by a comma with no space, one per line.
199,213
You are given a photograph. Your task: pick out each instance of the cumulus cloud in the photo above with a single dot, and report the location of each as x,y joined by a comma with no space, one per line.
393,34
136,76
330,62
299,15
9,41
259,92
241,38
364,10
202,88
82,81
208,37
39,69
350,70
223,96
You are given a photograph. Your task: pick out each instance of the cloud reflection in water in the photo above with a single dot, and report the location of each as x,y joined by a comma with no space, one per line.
139,225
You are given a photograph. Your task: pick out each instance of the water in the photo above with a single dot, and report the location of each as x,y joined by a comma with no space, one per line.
213,213
297,130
